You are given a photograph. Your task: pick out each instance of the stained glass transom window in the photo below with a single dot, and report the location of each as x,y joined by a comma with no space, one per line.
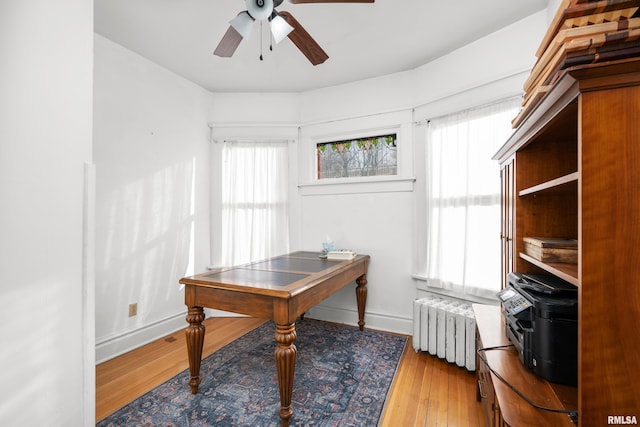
370,156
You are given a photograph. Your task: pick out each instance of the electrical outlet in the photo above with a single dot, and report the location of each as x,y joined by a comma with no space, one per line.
133,309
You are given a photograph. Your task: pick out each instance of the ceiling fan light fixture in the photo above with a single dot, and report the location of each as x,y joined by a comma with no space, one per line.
279,28
259,9
243,23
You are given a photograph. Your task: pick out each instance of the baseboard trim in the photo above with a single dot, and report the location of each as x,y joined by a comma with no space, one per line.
117,345
114,346
110,347
378,321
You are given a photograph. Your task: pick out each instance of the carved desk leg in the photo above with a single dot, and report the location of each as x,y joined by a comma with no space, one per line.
285,353
361,297
195,339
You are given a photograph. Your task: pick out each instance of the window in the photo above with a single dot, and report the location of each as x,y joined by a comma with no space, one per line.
463,199
369,156
255,221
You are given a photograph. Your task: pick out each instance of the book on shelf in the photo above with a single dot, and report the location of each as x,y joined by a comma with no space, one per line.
548,249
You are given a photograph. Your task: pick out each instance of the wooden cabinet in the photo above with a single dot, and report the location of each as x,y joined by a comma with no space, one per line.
507,178
502,406
486,391
575,162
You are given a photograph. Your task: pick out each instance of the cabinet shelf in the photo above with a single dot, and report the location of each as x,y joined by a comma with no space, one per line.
554,184
568,272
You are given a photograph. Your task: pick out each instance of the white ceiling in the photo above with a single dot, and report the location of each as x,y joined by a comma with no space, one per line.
362,40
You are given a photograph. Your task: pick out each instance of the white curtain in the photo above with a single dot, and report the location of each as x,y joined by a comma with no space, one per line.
463,199
255,219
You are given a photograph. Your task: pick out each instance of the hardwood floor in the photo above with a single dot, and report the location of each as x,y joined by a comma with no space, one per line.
126,377
427,391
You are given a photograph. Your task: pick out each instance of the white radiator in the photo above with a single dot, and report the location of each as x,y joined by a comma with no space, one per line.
445,328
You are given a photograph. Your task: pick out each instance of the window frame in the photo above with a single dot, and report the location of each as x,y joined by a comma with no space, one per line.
422,210
398,123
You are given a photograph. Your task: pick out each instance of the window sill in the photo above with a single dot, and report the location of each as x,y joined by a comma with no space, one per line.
483,296
357,185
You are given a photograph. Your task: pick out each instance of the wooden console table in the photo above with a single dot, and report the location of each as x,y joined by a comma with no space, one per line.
280,289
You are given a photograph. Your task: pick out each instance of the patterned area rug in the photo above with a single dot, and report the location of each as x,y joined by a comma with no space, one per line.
342,378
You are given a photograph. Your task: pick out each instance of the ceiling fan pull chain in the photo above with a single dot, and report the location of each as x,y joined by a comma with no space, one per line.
261,41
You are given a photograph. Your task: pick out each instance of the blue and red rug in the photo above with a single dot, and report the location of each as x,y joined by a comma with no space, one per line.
342,378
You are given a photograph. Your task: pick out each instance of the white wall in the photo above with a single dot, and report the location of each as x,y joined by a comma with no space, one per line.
239,114
46,308
151,153
372,96
502,55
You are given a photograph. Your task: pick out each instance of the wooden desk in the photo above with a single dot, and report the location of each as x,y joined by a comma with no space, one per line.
281,289
503,407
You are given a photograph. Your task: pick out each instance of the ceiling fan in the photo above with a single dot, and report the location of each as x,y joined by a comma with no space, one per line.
282,24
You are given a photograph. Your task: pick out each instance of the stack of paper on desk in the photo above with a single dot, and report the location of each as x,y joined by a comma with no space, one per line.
341,254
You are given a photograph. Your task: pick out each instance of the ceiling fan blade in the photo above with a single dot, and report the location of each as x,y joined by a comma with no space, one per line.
303,40
330,1
228,44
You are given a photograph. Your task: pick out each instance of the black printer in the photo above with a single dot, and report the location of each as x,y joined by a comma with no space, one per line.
541,320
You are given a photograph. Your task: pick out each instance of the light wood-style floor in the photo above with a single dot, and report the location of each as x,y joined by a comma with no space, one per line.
427,391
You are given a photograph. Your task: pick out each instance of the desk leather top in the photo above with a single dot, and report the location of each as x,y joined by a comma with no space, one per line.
281,273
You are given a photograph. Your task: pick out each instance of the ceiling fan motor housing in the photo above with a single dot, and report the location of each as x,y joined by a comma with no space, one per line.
282,24
259,9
